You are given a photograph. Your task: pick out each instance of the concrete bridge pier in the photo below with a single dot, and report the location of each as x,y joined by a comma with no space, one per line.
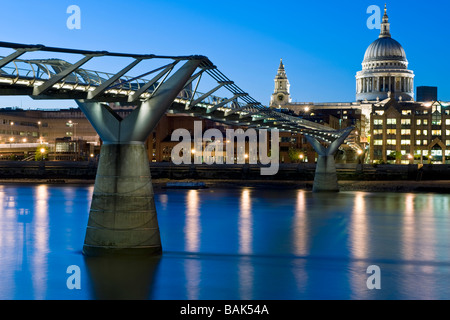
325,178
122,217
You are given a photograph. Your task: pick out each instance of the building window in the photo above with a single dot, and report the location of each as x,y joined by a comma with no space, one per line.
406,122
447,122
377,142
406,132
425,132
418,122
436,122
379,112
425,142
391,121
425,122
447,143
377,132
406,112
418,132
378,122
436,132
418,142
391,142
391,131
406,142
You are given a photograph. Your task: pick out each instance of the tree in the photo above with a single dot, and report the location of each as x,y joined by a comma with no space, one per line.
294,154
41,153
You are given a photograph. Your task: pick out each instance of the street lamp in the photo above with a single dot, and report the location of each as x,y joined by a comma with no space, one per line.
42,150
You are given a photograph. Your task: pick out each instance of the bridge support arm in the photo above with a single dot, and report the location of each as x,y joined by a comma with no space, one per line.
325,178
122,217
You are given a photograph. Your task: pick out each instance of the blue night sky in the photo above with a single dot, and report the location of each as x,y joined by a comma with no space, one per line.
322,43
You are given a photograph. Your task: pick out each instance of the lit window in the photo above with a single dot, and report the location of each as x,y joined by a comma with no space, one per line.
406,142
418,142
425,132
377,142
391,121
377,132
391,142
391,131
406,132
447,143
418,132
447,122
436,132
418,122
378,122
424,142
425,122
406,121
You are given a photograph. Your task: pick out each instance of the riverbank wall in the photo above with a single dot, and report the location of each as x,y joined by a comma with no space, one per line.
292,172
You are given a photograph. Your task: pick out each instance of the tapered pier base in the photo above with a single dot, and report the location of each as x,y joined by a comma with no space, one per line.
325,178
122,217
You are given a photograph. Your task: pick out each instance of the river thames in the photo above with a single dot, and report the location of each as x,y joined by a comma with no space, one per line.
238,243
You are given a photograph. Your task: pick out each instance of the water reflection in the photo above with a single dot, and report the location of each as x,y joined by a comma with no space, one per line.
192,267
123,277
245,222
245,228
192,226
301,225
40,236
408,228
359,227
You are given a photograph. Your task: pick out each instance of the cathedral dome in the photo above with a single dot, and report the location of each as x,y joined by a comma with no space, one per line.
385,71
385,48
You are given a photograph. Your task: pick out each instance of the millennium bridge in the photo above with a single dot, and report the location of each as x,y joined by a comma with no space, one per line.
122,216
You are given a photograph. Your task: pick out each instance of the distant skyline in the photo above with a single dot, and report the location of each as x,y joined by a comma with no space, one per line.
322,44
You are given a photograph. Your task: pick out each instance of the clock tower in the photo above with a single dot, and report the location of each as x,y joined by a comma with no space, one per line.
280,96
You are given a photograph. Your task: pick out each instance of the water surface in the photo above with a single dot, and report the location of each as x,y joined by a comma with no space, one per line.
241,243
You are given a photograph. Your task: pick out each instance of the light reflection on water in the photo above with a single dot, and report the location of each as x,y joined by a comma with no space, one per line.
242,243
